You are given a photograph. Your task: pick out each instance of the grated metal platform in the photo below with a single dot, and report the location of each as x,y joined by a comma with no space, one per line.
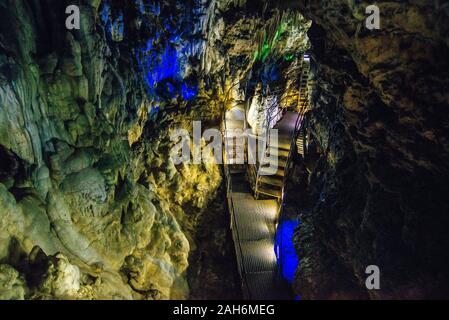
253,229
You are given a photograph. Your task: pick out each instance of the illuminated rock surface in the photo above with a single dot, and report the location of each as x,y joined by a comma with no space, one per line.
379,117
92,206
107,212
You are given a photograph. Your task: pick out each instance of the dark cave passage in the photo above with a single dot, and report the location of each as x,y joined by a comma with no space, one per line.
223,149
213,273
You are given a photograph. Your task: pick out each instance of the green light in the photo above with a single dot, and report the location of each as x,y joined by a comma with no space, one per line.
264,52
289,57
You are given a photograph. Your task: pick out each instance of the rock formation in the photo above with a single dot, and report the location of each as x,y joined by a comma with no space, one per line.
380,186
93,207
89,209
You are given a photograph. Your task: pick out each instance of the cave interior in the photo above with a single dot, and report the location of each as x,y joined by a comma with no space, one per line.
316,136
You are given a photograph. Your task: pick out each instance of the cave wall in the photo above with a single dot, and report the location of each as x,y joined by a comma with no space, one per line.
380,110
92,207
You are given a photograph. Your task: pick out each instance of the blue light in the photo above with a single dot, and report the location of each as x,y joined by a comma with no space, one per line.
114,26
140,6
175,38
155,8
105,12
189,93
285,251
269,75
154,110
106,17
119,27
164,58
171,89
165,66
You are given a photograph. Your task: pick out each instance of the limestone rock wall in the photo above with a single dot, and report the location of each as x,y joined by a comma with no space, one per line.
88,210
92,207
379,119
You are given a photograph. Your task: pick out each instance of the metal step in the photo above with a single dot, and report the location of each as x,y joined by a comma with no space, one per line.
266,190
276,181
283,144
281,153
264,171
300,145
281,163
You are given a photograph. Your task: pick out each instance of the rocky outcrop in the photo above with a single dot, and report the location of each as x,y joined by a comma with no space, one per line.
93,207
379,118
90,209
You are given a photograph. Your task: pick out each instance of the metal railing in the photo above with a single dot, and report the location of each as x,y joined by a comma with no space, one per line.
303,108
235,234
273,111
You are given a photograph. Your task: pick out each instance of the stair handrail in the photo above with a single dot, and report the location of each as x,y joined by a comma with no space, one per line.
299,121
267,122
298,126
269,117
237,242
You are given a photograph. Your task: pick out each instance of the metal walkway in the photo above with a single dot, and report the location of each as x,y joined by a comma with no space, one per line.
253,224
254,228
253,221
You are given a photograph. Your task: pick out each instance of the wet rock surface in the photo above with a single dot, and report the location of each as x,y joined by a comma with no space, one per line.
92,206
379,117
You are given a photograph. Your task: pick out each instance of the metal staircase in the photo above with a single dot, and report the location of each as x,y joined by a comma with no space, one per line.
254,222
303,99
301,144
264,179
